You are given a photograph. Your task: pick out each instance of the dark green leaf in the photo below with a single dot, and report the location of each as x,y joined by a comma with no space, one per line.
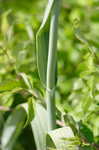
85,133
87,148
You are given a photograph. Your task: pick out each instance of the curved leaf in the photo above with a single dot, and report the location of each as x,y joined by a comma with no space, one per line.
42,43
29,109
25,80
79,35
72,123
17,84
19,118
12,128
59,138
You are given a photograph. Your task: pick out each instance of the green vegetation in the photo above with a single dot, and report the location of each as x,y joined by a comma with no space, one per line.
49,75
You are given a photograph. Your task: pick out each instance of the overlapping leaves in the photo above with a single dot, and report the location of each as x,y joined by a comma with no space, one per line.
42,43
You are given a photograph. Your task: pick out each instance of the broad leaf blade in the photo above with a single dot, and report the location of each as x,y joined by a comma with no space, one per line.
39,127
42,43
12,128
56,139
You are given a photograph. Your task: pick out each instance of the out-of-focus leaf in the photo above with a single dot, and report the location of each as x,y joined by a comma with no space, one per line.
10,85
29,109
29,31
39,127
55,138
87,148
87,101
16,122
85,133
42,43
1,121
12,128
79,35
87,67
6,99
26,80
4,22
72,123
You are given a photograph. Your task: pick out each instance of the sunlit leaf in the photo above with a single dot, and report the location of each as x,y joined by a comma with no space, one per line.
56,139
87,67
22,82
4,22
10,85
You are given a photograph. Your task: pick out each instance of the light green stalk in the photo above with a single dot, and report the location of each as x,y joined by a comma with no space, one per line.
51,66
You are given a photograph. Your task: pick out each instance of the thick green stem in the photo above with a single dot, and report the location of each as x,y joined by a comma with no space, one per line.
51,66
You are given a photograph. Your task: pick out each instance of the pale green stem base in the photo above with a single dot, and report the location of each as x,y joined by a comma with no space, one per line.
51,114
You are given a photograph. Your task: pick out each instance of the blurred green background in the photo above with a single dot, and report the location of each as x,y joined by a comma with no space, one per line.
77,90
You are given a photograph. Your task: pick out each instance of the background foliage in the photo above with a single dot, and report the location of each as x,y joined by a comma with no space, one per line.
77,90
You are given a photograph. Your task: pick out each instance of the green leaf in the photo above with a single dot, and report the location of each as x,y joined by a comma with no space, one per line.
42,43
71,122
6,99
58,138
87,101
87,67
1,122
12,128
87,148
10,85
79,35
39,127
4,22
25,80
85,133
19,118
22,82
29,109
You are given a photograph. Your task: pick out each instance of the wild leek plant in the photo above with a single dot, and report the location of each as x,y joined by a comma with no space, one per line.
38,110
52,66
47,57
